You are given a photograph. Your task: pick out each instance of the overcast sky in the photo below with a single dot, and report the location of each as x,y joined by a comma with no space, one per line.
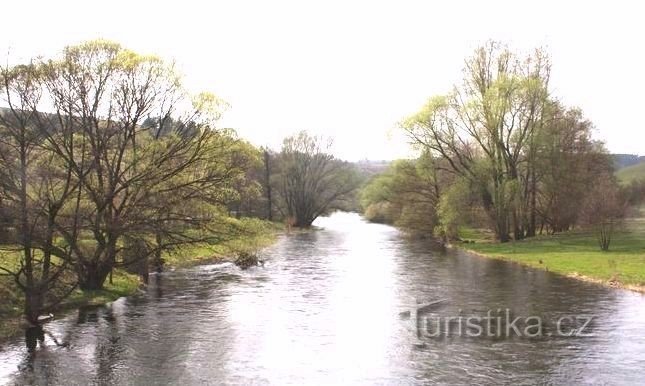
352,69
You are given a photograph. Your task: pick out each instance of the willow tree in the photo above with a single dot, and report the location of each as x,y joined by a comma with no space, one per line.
34,190
311,182
120,179
485,129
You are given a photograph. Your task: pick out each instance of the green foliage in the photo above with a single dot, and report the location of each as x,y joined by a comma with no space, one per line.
380,212
528,158
374,198
123,166
451,209
406,195
245,235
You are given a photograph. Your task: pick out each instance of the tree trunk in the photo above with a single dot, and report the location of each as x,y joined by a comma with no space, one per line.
92,277
518,232
158,262
530,232
33,305
267,180
501,229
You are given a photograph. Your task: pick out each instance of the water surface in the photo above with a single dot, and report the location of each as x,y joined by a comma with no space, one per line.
326,309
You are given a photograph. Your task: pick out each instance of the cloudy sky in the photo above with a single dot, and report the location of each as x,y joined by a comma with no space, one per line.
352,69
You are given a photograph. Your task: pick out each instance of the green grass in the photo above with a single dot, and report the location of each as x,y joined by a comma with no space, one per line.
11,322
254,235
631,173
575,253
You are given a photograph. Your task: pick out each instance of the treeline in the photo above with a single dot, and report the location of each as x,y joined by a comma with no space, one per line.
301,182
106,161
499,152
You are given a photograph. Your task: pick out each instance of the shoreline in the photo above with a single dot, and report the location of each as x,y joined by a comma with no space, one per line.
615,284
125,285
130,284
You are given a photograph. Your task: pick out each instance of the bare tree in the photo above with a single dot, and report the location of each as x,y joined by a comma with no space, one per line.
567,163
34,188
603,210
311,181
115,177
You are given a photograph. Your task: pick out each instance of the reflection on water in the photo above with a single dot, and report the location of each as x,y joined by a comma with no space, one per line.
325,309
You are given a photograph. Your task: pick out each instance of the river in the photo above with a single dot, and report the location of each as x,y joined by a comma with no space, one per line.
337,306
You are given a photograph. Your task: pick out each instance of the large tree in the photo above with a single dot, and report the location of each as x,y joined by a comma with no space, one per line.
119,152
485,129
311,182
567,164
34,189
530,159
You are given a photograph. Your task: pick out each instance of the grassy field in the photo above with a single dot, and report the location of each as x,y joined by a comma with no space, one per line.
259,235
575,253
632,173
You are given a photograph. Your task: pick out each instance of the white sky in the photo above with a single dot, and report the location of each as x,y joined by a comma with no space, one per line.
352,69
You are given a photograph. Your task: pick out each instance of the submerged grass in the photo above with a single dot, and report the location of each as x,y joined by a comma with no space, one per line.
12,323
254,235
575,253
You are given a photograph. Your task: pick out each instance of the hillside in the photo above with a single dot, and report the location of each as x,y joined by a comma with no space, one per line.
625,160
632,173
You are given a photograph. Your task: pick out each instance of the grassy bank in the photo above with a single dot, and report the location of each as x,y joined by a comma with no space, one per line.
575,254
11,322
254,235
258,235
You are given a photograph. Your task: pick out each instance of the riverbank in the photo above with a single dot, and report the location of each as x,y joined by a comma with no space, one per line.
12,323
257,235
254,235
574,254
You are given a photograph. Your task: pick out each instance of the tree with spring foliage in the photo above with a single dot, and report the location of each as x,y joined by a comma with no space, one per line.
35,190
484,130
128,156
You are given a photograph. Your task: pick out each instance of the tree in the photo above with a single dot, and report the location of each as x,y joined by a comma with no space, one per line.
101,94
484,129
568,162
34,188
129,157
311,181
268,189
408,194
603,209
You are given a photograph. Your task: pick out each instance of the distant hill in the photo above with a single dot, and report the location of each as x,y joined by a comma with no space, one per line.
626,160
369,168
632,173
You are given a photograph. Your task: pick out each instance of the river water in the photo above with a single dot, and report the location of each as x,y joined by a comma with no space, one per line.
337,306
